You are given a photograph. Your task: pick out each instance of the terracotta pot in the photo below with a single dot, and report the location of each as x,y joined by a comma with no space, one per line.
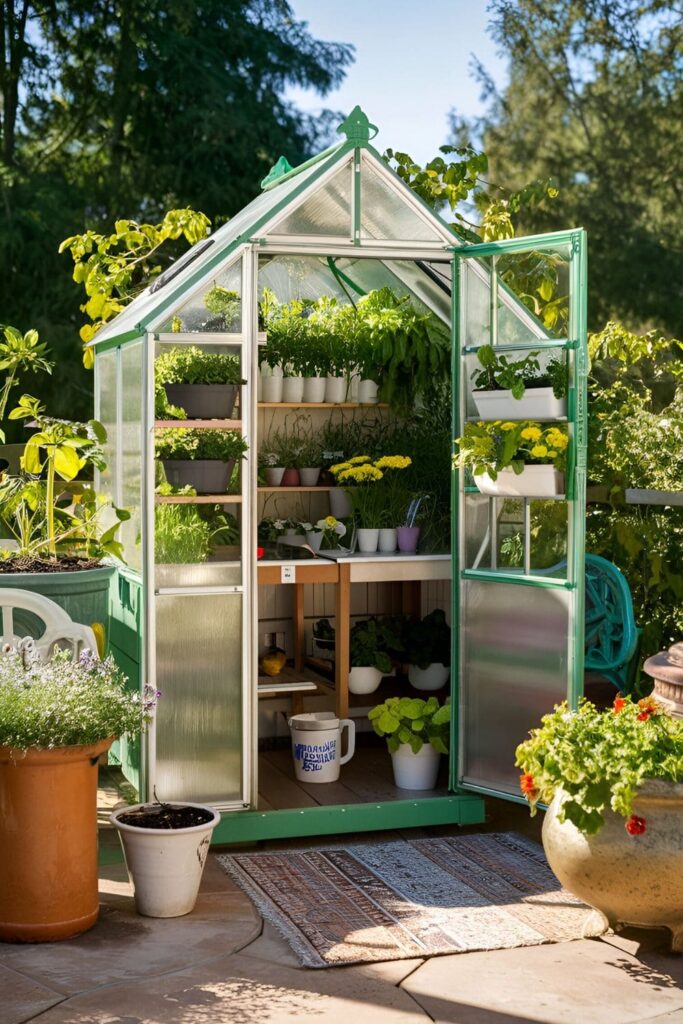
48,842
291,478
628,879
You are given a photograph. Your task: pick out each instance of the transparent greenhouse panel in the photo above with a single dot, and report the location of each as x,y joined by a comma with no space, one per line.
475,309
131,453
514,646
107,387
539,280
326,212
384,215
199,717
477,513
217,308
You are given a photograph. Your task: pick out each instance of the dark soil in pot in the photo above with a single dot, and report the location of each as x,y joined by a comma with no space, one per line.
68,563
207,476
203,401
165,816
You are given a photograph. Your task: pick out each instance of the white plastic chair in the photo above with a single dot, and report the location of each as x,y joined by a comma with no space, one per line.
59,627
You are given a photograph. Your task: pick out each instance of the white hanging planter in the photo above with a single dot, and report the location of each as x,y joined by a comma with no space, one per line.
415,771
535,404
431,678
165,865
542,481
314,389
364,679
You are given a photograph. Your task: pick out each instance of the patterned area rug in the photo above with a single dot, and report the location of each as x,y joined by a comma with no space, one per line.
396,900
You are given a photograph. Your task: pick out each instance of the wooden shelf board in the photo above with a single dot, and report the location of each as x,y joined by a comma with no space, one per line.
289,680
293,490
201,424
323,405
198,499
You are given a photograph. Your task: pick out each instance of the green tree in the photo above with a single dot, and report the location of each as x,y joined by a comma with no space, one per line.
594,102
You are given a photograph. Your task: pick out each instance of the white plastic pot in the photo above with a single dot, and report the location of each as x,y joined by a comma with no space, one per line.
533,482
309,476
431,678
273,475
364,679
271,388
316,745
165,865
367,540
340,503
335,390
535,404
367,392
415,771
314,539
293,389
387,540
314,389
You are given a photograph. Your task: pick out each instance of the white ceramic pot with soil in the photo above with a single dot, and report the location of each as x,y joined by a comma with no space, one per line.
415,771
293,390
335,390
203,401
309,476
314,389
364,679
165,847
207,476
431,678
629,879
535,404
542,481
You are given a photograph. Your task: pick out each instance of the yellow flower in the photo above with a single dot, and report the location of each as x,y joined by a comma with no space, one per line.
531,433
557,438
394,462
358,460
509,426
340,467
539,450
361,474
552,453
330,522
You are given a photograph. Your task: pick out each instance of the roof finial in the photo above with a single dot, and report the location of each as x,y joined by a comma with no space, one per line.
357,127
278,170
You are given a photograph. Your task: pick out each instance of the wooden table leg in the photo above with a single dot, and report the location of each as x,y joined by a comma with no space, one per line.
411,599
299,638
342,625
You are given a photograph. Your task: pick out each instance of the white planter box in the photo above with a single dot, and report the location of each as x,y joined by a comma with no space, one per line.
532,482
536,404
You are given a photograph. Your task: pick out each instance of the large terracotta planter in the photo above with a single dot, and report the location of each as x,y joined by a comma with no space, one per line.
635,880
48,842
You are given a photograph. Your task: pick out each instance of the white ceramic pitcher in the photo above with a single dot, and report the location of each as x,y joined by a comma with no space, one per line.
316,745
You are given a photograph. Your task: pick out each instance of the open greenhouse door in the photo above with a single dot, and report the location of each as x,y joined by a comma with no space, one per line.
518,554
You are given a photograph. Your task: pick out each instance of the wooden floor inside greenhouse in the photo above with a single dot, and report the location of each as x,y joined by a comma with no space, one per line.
367,778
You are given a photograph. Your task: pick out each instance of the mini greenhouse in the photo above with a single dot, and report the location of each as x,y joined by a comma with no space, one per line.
232,606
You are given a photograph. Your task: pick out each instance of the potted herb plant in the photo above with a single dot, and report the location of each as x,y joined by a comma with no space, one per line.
428,651
56,718
333,326
225,305
417,733
519,459
612,834
203,384
520,388
372,641
272,471
203,459
288,334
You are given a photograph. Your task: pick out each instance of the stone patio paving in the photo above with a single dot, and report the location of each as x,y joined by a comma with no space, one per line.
223,965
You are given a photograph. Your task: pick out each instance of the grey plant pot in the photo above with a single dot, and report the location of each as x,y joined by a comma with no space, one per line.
203,401
207,476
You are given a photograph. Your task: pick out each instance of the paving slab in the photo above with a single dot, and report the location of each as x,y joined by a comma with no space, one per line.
246,990
22,998
565,983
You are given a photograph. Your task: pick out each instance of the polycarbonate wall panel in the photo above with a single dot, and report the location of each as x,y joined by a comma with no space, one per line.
216,308
131,452
199,715
326,212
385,215
105,405
514,642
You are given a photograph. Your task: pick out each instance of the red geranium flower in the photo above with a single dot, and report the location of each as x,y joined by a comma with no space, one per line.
635,826
648,706
619,703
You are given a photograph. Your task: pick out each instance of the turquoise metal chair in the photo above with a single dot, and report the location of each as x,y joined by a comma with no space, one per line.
612,638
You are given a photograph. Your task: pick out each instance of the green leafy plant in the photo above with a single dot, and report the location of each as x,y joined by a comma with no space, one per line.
429,641
62,703
373,642
189,443
412,721
599,759
290,444
19,353
187,364
489,447
181,535
498,373
224,304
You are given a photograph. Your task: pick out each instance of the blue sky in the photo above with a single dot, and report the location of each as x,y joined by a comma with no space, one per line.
412,64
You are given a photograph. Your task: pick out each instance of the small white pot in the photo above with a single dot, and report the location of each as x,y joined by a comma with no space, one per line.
535,404
271,388
340,503
364,679
335,390
314,539
533,482
387,540
367,540
274,475
293,389
431,678
367,392
165,865
309,477
314,389
415,771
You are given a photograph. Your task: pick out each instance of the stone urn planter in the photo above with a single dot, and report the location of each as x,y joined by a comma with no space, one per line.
666,668
628,879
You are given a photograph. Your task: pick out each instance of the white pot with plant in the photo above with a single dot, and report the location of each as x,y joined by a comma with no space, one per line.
326,534
165,846
203,459
417,733
314,366
268,465
613,832
271,383
371,641
309,459
200,384
520,388
515,459
375,492
428,651
186,534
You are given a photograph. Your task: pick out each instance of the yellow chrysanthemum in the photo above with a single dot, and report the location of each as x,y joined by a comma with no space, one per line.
552,453
531,433
361,474
330,522
539,450
508,426
557,439
340,467
394,462
358,460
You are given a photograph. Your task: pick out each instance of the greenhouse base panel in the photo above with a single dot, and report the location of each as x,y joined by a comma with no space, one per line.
252,826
